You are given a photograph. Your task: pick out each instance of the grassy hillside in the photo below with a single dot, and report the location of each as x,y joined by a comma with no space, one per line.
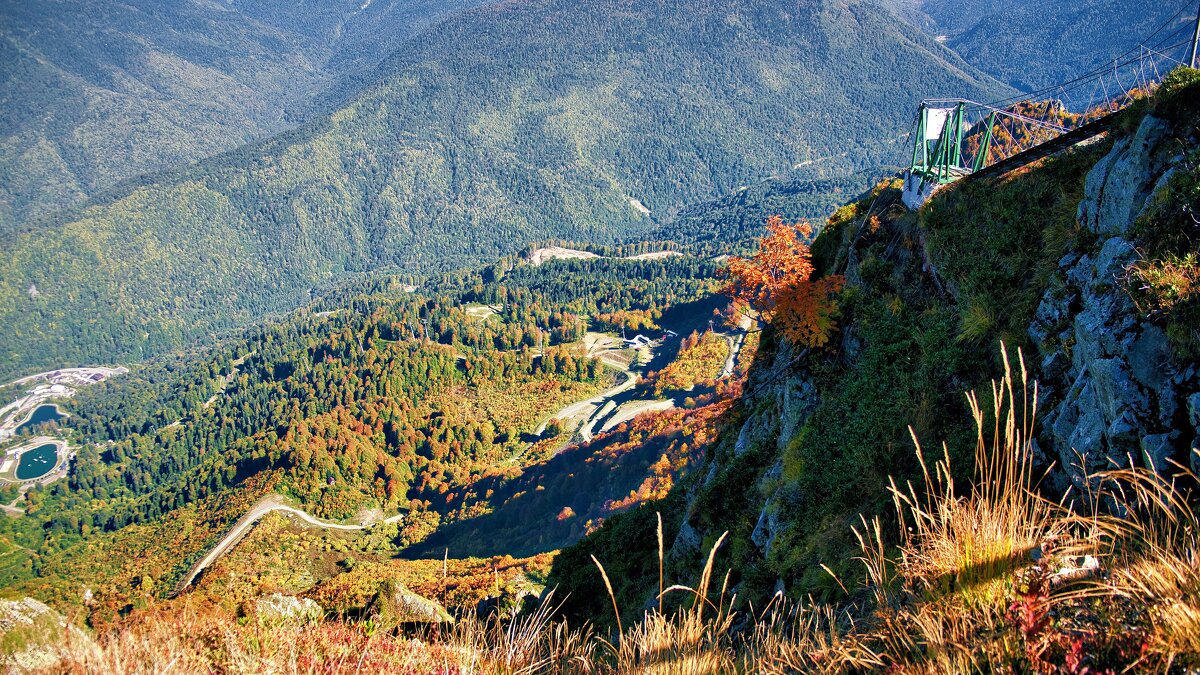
98,92
826,438
824,429
509,123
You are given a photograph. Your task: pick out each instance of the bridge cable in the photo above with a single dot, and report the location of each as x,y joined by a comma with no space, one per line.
1116,61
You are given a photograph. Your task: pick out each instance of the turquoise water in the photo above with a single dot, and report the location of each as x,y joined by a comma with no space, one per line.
43,413
37,462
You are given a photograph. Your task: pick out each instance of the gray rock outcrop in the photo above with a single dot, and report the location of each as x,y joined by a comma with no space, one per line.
278,608
33,636
395,605
1118,186
1113,386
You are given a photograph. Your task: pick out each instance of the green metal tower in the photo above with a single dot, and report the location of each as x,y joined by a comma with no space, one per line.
938,146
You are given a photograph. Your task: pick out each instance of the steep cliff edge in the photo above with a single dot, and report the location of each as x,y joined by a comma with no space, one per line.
1119,391
1046,259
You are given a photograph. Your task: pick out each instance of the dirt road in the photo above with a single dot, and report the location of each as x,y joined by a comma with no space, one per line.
594,402
242,526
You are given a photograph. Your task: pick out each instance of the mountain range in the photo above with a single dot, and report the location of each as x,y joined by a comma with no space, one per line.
1032,45
602,329
94,93
505,124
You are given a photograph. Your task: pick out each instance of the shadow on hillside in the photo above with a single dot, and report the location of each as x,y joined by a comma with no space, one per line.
531,513
550,504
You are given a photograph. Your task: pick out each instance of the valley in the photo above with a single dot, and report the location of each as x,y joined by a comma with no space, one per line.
575,422
467,336
434,408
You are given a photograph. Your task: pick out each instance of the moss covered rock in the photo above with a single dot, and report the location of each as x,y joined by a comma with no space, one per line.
32,636
395,605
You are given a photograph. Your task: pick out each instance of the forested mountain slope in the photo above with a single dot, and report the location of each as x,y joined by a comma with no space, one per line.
508,123
1032,45
95,92
733,222
374,398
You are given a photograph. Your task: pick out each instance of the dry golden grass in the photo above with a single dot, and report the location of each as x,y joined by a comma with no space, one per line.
191,640
971,544
1156,562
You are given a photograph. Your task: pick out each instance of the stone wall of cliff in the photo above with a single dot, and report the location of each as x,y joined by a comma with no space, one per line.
1116,391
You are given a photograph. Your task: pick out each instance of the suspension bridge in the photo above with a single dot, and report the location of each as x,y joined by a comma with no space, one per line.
957,139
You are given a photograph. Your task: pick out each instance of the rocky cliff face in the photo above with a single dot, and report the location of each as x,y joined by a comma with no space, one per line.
1115,393
32,636
1041,259
1113,390
783,397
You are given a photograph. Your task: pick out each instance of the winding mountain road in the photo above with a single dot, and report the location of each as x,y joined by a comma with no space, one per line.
595,401
242,526
735,348
598,411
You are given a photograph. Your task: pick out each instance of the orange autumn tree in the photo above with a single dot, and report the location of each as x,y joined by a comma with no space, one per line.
777,284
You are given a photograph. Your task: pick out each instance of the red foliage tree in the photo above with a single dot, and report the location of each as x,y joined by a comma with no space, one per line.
776,284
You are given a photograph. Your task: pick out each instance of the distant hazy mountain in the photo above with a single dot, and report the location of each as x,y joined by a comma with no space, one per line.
508,123
95,91
1032,44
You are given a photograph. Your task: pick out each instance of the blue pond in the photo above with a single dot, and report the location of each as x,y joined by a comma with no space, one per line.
41,415
37,462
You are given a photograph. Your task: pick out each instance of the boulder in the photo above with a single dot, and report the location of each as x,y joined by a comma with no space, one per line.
743,439
33,636
1150,358
800,399
278,608
1049,321
1117,188
395,605
766,529
687,541
1124,435
1160,184
1055,365
1157,451
1116,390
1083,450
1114,257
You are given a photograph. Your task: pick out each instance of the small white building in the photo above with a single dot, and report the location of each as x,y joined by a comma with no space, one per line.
637,341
